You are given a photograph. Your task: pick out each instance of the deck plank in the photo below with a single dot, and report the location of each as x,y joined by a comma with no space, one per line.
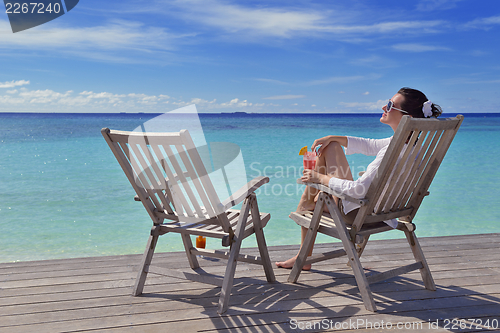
93,294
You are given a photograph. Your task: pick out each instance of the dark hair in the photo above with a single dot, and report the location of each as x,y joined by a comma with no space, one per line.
414,101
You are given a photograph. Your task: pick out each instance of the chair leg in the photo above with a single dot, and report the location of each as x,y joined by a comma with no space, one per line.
359,274
308,240
361,247
352,254
261,241
145,262
227,283
188,245
419,256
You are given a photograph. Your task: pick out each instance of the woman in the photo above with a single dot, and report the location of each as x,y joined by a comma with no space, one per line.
332,168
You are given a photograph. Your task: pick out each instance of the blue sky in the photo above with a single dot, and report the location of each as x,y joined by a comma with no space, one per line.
253,56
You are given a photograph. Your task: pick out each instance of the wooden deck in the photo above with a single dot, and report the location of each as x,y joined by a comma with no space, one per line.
93,294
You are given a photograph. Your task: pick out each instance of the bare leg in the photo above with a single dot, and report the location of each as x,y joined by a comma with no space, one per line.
334,163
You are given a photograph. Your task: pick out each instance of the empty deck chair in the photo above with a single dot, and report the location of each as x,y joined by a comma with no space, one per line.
172,182
405,174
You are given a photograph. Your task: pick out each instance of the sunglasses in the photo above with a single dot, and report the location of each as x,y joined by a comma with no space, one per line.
390,106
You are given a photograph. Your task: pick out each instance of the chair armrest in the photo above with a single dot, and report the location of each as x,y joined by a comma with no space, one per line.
243,192
328,190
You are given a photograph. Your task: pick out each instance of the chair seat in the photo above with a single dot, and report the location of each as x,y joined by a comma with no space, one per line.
327,225
214,230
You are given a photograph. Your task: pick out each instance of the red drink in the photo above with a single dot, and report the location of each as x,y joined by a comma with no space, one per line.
309,160
309,164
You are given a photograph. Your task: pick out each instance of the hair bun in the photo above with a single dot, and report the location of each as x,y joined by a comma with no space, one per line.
427,109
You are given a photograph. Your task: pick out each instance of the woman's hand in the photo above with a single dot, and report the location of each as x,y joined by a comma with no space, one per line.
321,143
311,176
325,141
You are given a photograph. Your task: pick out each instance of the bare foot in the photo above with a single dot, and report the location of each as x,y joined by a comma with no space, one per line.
289,264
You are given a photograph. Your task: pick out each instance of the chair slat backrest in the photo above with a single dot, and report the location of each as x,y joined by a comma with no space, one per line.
409,166
168,175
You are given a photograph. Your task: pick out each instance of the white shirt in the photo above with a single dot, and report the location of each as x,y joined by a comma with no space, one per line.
358,188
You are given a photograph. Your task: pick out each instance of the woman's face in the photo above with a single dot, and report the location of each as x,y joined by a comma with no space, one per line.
394,117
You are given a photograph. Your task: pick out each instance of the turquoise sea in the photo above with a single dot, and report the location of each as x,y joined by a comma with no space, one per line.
62,193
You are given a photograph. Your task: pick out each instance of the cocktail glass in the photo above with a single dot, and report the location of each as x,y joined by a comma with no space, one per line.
309,160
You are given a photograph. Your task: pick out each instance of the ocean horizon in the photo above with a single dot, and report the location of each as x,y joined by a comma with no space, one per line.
64,195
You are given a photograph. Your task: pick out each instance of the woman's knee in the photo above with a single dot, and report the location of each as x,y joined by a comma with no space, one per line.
335,161
332,150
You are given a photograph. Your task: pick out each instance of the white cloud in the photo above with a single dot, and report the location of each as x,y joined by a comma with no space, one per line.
42,96
413,27
201,101
13,84
285,97
366,93
479,53
272,81
328,80
102,42
483,23
430,5
414,47
54,99
236,102
91,95
237,19
342,79
88,101
8,100
469,80
250,22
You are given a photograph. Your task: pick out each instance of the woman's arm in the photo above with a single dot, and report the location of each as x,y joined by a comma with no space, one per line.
325,141
369,147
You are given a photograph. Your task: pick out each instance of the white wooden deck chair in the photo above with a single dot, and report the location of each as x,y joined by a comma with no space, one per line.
171,181
406,172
